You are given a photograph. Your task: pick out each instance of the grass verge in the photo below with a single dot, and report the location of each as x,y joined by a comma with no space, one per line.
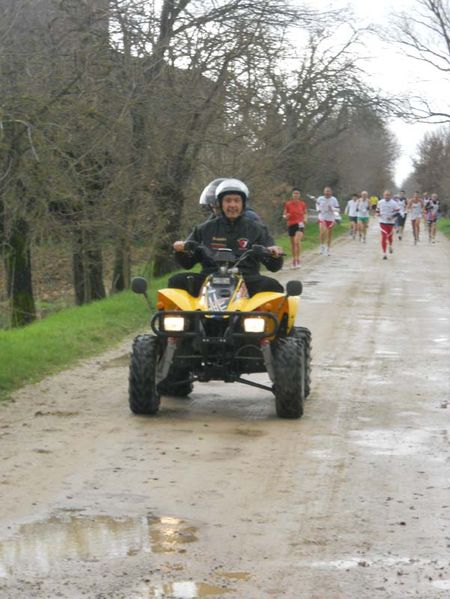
54,343
30,353
444,226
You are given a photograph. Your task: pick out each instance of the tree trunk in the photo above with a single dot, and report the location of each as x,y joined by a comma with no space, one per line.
87,264
77,268
18,259
121,277
170,200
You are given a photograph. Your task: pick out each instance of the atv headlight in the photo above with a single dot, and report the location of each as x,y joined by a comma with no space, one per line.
173,323
254,325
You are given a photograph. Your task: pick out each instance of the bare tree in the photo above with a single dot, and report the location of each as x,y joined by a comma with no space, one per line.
432,165
424,35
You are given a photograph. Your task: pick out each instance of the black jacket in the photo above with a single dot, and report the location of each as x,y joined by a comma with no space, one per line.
238,235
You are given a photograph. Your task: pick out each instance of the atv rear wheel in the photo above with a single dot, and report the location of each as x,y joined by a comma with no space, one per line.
289,385
303,336
143,395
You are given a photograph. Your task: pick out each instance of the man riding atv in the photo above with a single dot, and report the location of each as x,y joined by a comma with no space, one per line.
232,230
209,201
225,322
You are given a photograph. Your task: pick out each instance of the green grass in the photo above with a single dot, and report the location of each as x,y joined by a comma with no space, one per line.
311,237
49,345
444,226
30,353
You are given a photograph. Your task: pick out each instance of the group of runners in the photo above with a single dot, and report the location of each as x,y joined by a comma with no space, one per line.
392,211
296,214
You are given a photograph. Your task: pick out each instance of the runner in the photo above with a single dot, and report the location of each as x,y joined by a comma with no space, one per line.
374,203
387,210
415,208
363,211
432,207
327,207
401,216
296,215
352,210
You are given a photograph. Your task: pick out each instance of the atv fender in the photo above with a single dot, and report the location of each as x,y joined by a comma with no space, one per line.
177,298
293,302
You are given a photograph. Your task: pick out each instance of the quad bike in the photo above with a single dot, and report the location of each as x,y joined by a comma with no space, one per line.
220,335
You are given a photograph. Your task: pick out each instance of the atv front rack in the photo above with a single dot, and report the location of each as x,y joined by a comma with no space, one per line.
195,321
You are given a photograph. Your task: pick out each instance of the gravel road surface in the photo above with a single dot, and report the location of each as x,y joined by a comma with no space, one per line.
216,497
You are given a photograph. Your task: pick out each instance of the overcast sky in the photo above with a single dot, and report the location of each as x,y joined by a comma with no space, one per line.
389,70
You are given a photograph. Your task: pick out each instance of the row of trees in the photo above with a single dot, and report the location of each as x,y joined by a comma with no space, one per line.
115,113
423,34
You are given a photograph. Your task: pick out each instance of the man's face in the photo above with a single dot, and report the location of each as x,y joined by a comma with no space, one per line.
327,192
232,205
387,195
295,195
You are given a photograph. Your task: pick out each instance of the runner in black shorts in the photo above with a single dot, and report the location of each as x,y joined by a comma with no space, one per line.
292,229
295,214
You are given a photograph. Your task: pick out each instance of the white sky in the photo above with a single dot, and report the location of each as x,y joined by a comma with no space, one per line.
389,70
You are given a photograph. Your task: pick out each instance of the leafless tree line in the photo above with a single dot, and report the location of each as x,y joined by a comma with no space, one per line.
114,114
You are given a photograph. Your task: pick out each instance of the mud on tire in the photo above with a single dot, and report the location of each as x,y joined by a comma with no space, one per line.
143,396
289,370
303,336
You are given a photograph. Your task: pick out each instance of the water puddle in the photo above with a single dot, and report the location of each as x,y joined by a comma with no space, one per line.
186,590
442,584
338,564
41,546
386,353
399,442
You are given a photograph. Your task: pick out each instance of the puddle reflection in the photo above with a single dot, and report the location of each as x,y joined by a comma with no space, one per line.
186,590
40,546
399,442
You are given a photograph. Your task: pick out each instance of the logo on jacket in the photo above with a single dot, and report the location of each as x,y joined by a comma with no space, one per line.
242,243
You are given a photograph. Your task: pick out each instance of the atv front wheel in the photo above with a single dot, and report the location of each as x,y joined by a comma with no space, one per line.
303,336
143,395
289,385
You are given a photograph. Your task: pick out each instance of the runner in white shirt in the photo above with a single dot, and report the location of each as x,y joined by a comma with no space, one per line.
363,212
352,210
401,216
387,209
415,209
327,206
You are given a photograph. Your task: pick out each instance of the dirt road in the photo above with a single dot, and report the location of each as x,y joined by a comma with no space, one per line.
216,497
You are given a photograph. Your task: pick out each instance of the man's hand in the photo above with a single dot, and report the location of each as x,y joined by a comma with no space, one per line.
178,246
275,250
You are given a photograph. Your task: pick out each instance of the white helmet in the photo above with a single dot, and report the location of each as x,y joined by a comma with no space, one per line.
232,186
208,195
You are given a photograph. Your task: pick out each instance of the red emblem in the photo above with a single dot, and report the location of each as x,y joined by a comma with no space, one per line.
242,243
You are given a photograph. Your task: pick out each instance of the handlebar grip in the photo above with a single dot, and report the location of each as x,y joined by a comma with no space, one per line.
191,245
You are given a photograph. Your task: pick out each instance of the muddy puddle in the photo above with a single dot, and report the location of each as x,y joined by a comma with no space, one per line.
400,442
39,547
186,590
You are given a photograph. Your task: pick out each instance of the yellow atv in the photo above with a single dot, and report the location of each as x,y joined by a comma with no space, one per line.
220,335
